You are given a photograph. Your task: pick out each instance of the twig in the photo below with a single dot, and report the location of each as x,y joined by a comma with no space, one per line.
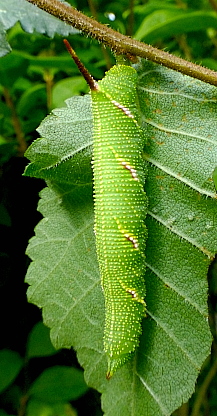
182,42
104,50
122,44
23,404
48,78
183,410
203,389
22,145
213,4
131,18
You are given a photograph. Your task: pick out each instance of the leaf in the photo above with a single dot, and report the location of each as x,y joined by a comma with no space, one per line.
5,218
67,87
3,413
32,101
59,384
150,7
10,365
39,344
38,408
31,18
32,97
7,150
178,118
215,177
209,63
10,66
63,159
162,24
5,47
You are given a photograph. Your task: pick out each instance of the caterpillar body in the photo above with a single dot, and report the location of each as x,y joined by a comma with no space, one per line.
120,206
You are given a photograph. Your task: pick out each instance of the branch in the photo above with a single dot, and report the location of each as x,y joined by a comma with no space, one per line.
203,389
22,145
121,44
213,4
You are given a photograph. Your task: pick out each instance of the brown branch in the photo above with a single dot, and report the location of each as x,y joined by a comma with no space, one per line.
122,44
183,45
103,49
203,389
22,145
183,410
49,81
131,18
213,4
23,404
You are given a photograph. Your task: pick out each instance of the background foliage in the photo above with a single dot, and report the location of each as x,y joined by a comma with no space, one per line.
36,77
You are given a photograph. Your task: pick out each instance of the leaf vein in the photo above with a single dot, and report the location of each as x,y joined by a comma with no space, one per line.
180,178
176,290
182,235
181,132
179,94
154,395
173,338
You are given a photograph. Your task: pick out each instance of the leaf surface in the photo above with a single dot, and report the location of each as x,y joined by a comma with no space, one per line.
63,154
178,119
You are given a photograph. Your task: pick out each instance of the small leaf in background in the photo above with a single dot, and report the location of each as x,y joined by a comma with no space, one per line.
66,88
214,175
10,366
209,63
5,218
32,97
10,66
3,413
32,101
59,384
38,408
39,343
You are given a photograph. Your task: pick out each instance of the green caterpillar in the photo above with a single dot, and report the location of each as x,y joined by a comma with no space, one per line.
120,207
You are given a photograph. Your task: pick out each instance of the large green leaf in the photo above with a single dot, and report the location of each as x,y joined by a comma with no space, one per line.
178,118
